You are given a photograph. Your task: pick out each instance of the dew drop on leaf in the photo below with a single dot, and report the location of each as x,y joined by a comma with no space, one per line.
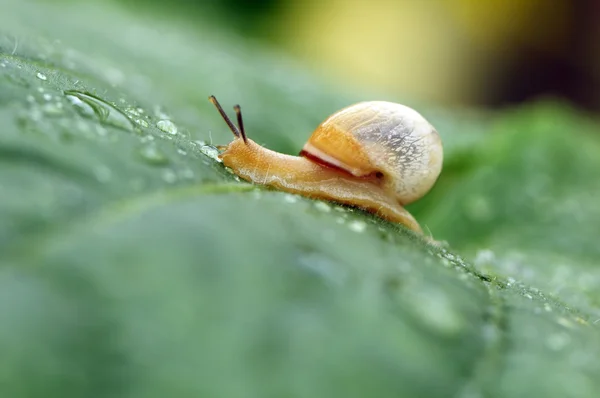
52,109
159,113
103,173
211,152
256,194
167,126
133,111
169,176
323,266
357,226
91,105
479,208
484,257
435,309
558,341
41,76
288,198
82,107
322,206
565,322
142,122
146,138
153,156
187,174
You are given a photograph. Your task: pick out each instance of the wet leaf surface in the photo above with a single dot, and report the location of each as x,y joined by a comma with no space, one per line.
133,264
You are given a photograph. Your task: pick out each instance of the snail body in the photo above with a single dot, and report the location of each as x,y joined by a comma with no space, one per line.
378,156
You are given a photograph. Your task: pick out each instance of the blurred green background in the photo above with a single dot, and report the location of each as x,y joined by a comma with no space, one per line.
451,52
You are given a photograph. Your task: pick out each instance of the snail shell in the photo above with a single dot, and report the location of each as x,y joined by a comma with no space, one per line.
381,137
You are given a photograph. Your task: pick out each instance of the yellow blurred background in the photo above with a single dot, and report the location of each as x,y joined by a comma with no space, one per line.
448,52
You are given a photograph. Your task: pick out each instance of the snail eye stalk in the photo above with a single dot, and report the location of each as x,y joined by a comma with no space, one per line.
232,126
238,113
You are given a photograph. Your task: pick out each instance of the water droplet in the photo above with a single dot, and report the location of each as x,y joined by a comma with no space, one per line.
479,208
181,152
52,109
114,76
167,126
147,138
211,152
322,206
357,226
142,122
101,131
2,64
437,310
256,194
484,257
169,176
88,105
41,76
529,296
187,174
102,173
133,111
159,113
565,322
83,128
81,106
290,198
558,341
323,266
152,155
47,97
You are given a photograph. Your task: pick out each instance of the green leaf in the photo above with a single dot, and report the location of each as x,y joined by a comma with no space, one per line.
133,264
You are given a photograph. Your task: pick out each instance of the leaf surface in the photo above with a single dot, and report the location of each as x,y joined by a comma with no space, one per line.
134,264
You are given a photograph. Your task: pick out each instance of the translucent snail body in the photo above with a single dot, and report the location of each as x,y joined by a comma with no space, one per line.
377,156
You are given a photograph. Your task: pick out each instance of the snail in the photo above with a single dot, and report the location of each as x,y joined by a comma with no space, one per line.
378,156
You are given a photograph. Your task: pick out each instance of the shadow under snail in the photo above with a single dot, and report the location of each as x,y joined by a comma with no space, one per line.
378,156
